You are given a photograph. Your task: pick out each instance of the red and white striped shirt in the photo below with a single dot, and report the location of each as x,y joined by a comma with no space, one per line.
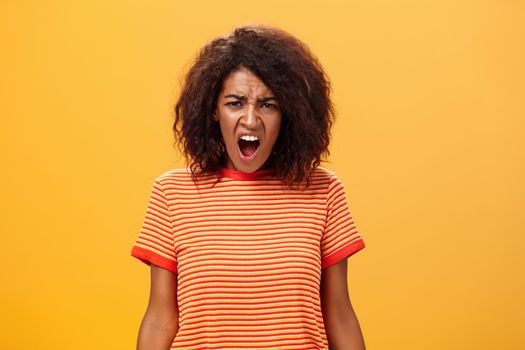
248,255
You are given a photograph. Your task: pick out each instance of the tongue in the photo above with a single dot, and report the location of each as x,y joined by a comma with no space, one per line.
248,147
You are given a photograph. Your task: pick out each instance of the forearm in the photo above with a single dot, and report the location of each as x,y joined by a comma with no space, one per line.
346,335
156,336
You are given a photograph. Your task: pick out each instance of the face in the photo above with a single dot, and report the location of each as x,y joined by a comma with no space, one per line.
249,118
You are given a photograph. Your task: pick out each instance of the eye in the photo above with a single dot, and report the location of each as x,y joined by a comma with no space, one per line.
234,103
269,105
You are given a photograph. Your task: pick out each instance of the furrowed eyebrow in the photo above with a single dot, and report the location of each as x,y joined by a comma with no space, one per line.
260,100
267,99
235,96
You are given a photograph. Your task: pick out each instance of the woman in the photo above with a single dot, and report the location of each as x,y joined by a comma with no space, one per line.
248,246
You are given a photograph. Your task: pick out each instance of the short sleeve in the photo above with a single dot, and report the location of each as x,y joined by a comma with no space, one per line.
341,238
155,241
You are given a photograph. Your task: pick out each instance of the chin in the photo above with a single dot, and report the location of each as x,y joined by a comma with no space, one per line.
248,168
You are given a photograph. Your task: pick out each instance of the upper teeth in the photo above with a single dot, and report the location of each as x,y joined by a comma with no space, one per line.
249,138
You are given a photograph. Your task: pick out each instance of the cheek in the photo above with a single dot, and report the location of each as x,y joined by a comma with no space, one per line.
226,137
275,128
226,129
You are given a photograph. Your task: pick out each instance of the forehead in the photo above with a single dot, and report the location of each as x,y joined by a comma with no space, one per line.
243,81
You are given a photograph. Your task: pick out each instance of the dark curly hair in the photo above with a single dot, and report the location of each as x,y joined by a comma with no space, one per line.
288,67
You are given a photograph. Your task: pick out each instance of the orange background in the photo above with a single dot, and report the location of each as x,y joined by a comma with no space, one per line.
428,141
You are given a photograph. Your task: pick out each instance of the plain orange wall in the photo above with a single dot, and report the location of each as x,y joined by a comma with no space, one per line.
428,141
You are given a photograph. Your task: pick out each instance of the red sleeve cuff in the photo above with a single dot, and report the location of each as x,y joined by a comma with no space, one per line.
344,252
149,258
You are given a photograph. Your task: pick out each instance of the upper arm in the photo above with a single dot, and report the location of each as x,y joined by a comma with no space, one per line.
161,320
335,299
162,305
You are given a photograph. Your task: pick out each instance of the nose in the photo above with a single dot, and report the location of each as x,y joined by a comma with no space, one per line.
249,117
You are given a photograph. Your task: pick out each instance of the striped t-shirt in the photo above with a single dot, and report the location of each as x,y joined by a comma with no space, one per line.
248,255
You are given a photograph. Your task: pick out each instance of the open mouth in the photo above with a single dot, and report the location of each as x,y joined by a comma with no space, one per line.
248,149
